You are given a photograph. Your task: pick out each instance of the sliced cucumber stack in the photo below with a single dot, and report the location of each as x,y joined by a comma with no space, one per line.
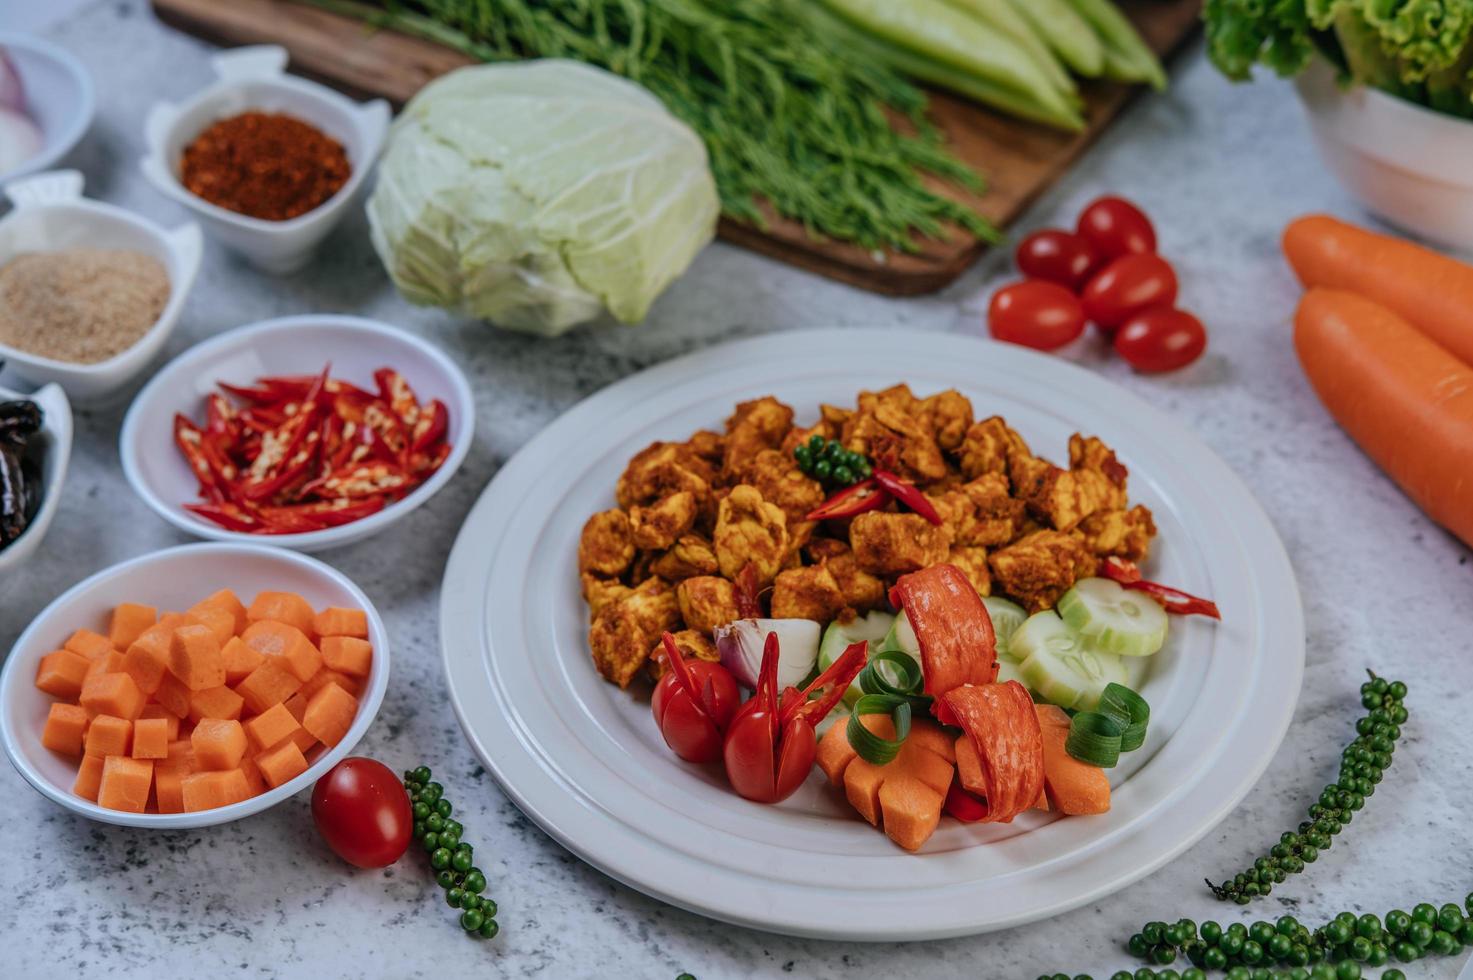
871,629
1061,665
1006,618
902,637
1114,619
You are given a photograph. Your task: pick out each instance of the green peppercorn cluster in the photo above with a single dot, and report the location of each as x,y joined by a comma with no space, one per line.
451,857
1362,766
830,463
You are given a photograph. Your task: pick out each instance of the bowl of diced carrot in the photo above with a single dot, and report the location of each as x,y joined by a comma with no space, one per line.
193,686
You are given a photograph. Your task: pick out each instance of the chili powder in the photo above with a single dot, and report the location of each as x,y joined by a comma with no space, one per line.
265,165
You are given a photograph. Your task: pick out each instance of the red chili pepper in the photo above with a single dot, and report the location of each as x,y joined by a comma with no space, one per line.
220,422
1175,601
396,391
907,495
231,516
433,423
360,480
965,806
288,520
331,513
863,496
424,464
191,443
261,396
693,704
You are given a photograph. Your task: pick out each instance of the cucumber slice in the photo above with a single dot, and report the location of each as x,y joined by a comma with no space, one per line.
1061,665
902,637
1007,670
839,636
1006,618
1114,619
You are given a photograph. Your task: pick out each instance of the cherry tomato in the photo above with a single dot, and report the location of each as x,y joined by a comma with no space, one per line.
363,813
1037,314
692,722
1127,286
1115,227
1056,256
1162,339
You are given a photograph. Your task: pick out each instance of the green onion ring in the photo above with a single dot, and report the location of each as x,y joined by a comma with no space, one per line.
1094,738
871,747
1128,710
910,686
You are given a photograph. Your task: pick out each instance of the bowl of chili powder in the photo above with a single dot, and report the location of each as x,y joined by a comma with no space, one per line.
268,161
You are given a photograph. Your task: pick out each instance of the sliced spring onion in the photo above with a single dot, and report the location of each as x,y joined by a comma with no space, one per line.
1094,738
871,747
1006,618
895,674
1113,619
1128,710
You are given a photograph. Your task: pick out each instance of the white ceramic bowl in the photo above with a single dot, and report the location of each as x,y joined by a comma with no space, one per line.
50,215
56,453
255,78
291,345
59,98
173,579
1407,164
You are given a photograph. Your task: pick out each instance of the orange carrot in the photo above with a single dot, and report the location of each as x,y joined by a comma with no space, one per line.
904,795
1406,401
1073,787
1430,291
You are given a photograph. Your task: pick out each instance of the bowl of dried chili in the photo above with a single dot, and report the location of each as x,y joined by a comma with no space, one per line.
268,161
308,432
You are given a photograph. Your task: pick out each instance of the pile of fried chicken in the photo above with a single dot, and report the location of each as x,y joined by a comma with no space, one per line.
693,515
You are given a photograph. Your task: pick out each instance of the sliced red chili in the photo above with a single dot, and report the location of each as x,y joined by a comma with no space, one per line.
191,443
908,495
331,513
864,496
231,516
1174,601
396,391
433,422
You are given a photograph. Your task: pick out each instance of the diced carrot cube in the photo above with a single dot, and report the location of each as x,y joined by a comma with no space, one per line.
147,659
108,735
336,621
89,777
240,660
171,720
173,696
255,782
217,621
129,620
285,644
208,790
227,601
65,726
327,676
194,657
215,702
282,607
268,684
218,743
150,738
170,621
168,785
330,714
270,726
125,783
112,694
181,755
61,673
109,663
89,644
282,764
347,654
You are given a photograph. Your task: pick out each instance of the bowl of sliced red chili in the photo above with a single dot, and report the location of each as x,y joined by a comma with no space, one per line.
268,161
307,431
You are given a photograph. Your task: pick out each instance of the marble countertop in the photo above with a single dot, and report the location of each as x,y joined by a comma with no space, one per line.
1221,167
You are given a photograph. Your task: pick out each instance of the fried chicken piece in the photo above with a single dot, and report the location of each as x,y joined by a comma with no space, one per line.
949,414
809,592
690,556
708,445
891,427
1039,568
607,545
756,425
1089,453
892,544
1123,533
797,435
623,631
749,529
861,590
1065,497
980,512
599,592
707,602
693,645
973,563
777,477
661,469
660,525
988,447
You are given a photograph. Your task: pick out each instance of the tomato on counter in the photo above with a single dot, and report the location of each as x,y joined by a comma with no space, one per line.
1161,339
1037,314
1129,285
1115,227
1057,256
363,813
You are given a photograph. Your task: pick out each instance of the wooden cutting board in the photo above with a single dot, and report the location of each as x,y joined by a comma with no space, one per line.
1019,160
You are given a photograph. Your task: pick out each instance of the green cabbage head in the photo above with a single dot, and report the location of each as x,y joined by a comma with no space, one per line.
538,194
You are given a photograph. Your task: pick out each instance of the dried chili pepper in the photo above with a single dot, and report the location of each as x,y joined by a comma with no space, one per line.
907,495
1172,600
866,495
13,510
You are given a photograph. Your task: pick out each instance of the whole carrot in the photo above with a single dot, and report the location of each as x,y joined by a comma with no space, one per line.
1406,401
1430,291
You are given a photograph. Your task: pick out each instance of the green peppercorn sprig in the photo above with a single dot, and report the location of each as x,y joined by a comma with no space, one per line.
1362,765
450,857
828,462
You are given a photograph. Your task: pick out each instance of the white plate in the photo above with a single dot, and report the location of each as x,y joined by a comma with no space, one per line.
585,761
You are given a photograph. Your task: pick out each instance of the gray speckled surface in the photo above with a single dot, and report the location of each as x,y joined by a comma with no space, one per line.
1221,168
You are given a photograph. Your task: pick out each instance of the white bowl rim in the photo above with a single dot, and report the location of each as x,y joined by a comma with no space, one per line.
368,705
73,132
129,439
187,254
61,433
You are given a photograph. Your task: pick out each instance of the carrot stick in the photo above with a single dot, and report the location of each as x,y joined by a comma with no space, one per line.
1430,291
1406,401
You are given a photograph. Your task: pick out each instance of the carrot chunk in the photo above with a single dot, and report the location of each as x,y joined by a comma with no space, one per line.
336,621
905,795
240,660
147,658
194,658
61,673
329,714
282,764
125,783
214,702
218,743
217,621
284,644
181,755
128,622
912,810
227,601
268,684
327,676
347,654
109,663
270,727
108,735
112,694
65,726
150,738
282,607
168,787
89,777
171,720
208,790
255,782
173,696
89,644
1073,787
